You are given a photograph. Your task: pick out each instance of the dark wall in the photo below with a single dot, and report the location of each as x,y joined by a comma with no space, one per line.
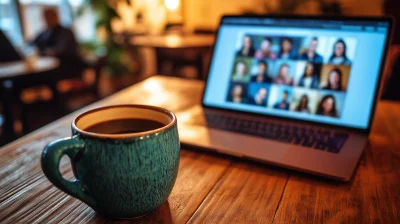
392,7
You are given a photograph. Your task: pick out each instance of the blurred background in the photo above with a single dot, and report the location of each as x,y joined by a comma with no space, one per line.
57,56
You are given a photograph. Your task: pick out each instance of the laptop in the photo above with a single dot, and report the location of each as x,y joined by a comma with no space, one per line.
297,92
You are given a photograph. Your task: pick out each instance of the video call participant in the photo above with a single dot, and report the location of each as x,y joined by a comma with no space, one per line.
339,56
262,74
283,76
237,94
286,49
265,51
311,53
284,104
240,74
334,80
260,98
327,106
303,105
309,78
247,49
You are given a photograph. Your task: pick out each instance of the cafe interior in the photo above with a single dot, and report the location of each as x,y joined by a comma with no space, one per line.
60,59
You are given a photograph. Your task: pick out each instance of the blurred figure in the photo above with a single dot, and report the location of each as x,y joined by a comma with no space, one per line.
56,40
311,53
334,80
327,106
286,49
262,74
303,105
237,94
283,77
247,49
265,51
240,74
260,98
339,56
284,104
309,79
7,52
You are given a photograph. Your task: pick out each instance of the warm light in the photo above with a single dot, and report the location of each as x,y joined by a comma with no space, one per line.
173,40
172,4
153,86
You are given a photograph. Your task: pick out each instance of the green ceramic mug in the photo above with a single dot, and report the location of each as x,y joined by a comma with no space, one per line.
118,175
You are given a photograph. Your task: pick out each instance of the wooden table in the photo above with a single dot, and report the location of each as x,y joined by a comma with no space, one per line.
174,50
20,68
173,41
15,75
213,188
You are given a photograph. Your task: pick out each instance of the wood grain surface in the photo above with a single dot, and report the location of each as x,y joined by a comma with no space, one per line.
212,188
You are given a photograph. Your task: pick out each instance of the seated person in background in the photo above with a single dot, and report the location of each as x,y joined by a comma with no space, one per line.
309,78
303,105
260,98
311,53
334,80
265,50
7,52
339,56
247,49
284,104
283,76
237,94
56,40
286,49
240,74
262,74
327,106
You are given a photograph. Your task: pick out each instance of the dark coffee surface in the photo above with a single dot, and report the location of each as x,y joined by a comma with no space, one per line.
124,126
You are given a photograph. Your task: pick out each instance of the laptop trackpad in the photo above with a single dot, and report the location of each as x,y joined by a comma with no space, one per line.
232,143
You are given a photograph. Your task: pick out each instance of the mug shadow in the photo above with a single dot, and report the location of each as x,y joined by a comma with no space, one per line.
160,215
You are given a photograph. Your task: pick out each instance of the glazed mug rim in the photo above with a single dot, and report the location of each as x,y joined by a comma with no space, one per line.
165,127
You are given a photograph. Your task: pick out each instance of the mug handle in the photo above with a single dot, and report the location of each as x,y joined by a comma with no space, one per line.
51,157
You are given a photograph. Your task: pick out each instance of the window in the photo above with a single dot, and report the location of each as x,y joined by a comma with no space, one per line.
31,23
32,15
9,22
84,24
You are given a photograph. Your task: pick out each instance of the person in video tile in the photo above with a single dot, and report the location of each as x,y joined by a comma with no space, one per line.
327,106
286,49
237,94
284,104
262,75
339,56
260,98
303,105
311,53
283,77
265,51
334,80
247,49
240,74
309,78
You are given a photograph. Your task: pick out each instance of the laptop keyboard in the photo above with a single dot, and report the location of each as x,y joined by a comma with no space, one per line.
320,139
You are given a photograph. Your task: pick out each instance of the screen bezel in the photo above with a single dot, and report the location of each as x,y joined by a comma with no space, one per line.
367,130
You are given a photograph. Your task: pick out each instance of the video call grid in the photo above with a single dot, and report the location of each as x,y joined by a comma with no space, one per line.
292,73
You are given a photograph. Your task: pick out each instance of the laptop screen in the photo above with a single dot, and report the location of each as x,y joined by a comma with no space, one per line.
324,71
